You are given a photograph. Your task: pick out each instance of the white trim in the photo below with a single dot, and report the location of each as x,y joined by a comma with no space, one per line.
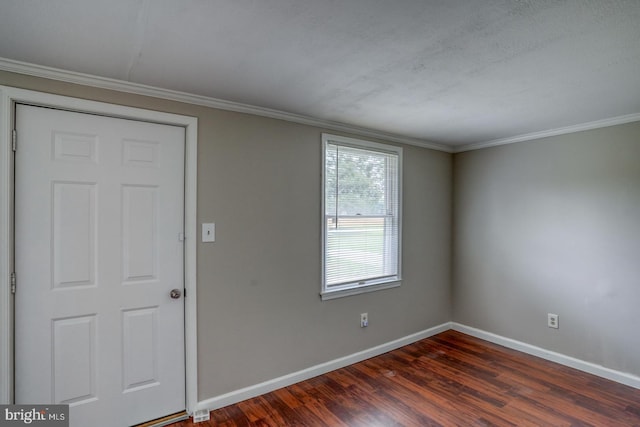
156,92
340,293
8,96
190,262
367,285
35,70
6,242
591,368
612,121
305,374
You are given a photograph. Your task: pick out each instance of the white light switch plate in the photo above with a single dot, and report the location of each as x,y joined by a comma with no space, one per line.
208,232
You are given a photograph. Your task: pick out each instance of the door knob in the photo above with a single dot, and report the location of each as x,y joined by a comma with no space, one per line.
175,293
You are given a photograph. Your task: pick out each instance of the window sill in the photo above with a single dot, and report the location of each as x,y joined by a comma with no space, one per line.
358,290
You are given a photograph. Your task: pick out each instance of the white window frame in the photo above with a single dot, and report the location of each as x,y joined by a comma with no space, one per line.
332,292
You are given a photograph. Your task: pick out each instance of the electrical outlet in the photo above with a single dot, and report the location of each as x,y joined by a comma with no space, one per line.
364,320
201,415
552,321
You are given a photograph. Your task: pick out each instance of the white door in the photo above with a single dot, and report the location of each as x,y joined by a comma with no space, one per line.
99,214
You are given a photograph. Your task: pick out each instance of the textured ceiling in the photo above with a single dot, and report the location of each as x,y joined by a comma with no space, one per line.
455,72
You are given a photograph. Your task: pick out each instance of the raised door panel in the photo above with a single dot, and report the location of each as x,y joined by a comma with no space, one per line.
74,360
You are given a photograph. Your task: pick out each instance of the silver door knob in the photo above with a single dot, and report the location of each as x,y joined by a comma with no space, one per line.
175,293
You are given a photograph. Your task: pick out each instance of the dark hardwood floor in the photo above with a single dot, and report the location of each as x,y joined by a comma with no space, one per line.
450,379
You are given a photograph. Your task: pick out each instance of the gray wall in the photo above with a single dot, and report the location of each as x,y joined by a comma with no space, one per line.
543,226
259,311
553,226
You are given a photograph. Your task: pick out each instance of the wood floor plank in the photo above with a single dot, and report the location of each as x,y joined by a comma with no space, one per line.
450,379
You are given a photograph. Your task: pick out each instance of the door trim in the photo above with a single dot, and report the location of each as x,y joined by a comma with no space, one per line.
8,97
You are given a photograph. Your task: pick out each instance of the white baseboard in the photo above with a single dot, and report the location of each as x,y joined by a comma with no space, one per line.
305,374
601,371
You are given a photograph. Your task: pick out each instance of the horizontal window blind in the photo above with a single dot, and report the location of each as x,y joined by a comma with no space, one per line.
361,214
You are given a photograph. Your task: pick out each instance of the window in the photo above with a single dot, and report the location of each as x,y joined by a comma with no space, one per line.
361,216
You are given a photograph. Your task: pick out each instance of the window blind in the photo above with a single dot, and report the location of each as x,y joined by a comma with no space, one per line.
362,224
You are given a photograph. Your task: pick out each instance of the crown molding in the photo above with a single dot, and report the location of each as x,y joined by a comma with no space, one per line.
189,98
612,121
205,101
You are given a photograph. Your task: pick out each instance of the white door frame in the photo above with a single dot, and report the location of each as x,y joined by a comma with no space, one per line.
8,97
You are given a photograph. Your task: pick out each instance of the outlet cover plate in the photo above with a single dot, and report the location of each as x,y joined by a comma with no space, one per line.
201,415
364,320
552,321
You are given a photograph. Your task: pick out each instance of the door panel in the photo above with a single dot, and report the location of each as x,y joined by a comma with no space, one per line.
139,211
73,234
99,212
140,347
74,378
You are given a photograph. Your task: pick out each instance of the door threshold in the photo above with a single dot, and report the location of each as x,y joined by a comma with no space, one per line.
169,419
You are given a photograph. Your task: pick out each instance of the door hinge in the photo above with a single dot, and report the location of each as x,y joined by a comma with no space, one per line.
181,237
13,282
14,139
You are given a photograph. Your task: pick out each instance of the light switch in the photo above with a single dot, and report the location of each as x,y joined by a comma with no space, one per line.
208,232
